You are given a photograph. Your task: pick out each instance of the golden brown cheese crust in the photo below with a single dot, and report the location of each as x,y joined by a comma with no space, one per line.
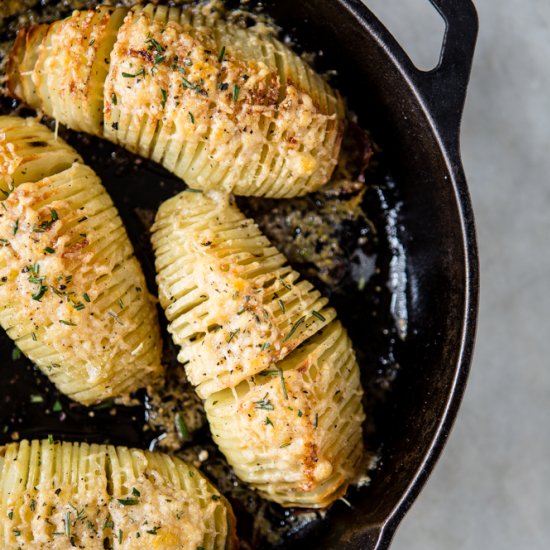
294,431
70,495
234,305
222,107
72,294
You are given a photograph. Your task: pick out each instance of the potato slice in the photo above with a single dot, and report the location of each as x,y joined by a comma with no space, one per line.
72,294
223,107
76,495
294,432
234,305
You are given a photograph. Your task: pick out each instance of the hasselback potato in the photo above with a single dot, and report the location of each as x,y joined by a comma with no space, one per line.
233,303
72,294
294,431
280,379
224,107
76,495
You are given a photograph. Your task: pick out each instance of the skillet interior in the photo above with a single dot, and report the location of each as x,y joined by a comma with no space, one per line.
409,420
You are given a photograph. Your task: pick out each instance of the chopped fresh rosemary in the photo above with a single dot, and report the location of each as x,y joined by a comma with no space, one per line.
284,445
128,501
264,404
78,306
154,45
294,328
159,59
135,492
86,297
215,497
191,117
68,524
33,335
268,421
282,381
181,427
318,315
10,515
39,293
316,421
16,227
68,323
33,505
139,73
91,43
236,91
120,536
265,345
232,334
222,54
115,317
282,305
114,99
300,413
164,95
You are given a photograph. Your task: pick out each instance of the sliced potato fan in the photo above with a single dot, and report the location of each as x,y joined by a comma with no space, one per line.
223,107
280,379
71,495
72,294
233,303
294,431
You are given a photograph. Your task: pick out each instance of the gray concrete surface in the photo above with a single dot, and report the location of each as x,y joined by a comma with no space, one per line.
491,488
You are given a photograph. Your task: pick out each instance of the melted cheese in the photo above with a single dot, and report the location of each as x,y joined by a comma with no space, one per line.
223,107
294,432
72,294
62,496
234,305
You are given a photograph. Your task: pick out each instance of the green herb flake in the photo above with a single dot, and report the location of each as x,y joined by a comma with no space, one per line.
282,305
164,95
91,43
33,336
115,317
153,531
318,315
78,306
50,439
191,117
86,297
139,73
49,250
159,59
236,91
10,515
300,413
294,328
316,421
152,44
120,536
15,353
15,227
268,421
68,323
17,532
284,445
265,346
68,524
222,54
36,398
281,375
128,501
215,497
57,406
39,293
114,99
181,427
232,334
33,505
135,492
264,404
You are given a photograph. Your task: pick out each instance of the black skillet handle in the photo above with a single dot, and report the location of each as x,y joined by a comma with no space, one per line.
444,87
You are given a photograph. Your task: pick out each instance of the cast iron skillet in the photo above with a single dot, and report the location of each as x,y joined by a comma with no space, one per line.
415,117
